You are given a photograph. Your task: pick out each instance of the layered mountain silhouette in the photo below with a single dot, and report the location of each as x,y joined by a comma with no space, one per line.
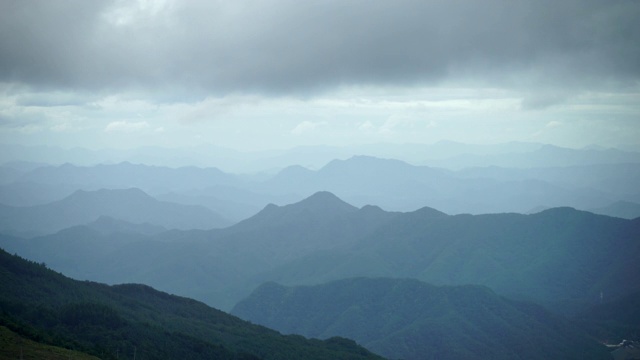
108,225
131,205
408,319
360,180
136,321
127,175
393,184
561,258
448,154
216,237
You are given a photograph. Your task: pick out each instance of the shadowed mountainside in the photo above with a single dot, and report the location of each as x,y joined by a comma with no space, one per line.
411,320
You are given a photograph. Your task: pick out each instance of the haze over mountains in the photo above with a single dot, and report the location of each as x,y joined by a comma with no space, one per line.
446,154
82,207
537,244
587,182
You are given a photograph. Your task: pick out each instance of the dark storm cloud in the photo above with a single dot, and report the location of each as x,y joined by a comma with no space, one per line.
305,46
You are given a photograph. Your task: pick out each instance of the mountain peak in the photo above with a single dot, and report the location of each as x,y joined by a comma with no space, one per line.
320,205
325,200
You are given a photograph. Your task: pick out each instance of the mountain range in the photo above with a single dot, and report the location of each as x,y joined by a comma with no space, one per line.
411,250
447,154
561,258
360,180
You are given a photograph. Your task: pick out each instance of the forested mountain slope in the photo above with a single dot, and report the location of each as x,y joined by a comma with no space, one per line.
111,321
409,319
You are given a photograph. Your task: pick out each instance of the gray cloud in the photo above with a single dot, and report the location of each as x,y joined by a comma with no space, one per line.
281,47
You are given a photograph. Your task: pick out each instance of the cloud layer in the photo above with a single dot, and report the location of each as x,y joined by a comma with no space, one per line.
255,74
299,47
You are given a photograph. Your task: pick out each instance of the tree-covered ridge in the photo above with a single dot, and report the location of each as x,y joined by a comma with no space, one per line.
562,258
110,321
409,319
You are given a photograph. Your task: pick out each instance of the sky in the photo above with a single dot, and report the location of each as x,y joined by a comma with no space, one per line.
255,75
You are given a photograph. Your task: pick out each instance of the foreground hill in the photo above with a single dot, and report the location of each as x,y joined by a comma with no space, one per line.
132,205
409,319
113,321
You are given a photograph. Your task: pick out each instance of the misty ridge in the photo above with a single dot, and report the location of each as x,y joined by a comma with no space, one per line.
411,261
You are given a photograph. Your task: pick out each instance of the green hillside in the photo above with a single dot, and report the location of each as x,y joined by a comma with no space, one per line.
108,321
15,346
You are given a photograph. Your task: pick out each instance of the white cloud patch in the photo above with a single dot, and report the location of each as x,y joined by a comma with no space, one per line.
553,124
544,99
126,126
306,127
366,126
397,123
63,127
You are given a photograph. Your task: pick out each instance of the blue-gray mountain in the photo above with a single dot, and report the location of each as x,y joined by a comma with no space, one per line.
82,207
622,209
361,180
409,319
393,184
561,258
447,154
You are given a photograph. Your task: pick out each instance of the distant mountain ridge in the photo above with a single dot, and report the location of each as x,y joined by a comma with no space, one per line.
449,154
81,207
396,185
408,319
108,225
621,209
360,180
128,175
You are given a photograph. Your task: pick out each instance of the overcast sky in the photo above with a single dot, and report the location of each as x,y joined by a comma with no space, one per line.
275,74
